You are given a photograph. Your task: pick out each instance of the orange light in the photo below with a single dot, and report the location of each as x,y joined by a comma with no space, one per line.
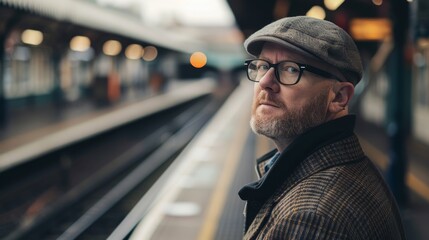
198,59
366,29
377,2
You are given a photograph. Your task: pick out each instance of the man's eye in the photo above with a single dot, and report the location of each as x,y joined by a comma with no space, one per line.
290,69
263,67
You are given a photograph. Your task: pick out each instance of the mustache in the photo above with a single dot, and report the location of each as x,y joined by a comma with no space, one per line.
265,97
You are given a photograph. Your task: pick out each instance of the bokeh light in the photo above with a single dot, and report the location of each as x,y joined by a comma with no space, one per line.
333,4
80,43
134,51
377,2
198,59
316,12
150,53
112,48
32,37
367,29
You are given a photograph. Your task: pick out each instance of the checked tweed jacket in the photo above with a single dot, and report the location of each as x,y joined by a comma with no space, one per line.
321,187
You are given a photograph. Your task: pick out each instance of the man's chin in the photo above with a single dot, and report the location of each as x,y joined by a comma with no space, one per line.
266,127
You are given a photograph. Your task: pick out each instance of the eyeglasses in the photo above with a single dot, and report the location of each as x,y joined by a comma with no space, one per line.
286,72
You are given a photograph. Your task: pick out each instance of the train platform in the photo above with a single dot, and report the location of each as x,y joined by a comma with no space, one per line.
196,198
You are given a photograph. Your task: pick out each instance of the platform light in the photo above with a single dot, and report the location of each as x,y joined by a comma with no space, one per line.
150,53
198,59
80,43
377,2
112,47
316,12
32,37
134,51
333,4
370,29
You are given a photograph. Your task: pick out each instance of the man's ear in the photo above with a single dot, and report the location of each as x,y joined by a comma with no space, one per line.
343,93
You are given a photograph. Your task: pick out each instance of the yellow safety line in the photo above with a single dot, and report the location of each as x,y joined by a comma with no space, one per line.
381,159
218,198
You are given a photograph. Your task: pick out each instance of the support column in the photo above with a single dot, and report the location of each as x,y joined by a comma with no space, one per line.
399,103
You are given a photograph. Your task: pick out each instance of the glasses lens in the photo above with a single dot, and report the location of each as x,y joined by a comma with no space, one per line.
288,72
256,69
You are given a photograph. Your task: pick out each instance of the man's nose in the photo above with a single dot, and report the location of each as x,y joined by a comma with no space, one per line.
269,81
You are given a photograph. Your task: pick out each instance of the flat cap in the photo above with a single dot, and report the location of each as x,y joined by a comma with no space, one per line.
311,36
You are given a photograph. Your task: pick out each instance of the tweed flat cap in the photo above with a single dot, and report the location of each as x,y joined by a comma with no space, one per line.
313,37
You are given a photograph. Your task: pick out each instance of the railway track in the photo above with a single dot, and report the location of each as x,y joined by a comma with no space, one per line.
86,199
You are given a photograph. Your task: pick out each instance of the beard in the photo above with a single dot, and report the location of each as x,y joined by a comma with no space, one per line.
292,122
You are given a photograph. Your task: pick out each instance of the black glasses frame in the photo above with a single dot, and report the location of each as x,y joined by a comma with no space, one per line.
301,66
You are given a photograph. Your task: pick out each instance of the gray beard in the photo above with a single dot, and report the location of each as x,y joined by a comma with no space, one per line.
293,122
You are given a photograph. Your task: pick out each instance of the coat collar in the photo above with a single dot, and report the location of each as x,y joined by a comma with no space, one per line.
306,156
344,151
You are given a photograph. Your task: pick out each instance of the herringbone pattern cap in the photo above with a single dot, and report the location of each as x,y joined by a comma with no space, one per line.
313,37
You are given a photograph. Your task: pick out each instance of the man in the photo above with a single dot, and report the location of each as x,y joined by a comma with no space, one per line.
317,183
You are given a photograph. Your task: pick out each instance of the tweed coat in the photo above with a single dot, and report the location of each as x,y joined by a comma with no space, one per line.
321,187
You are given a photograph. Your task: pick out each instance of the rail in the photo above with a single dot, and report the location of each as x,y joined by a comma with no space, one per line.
157,149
